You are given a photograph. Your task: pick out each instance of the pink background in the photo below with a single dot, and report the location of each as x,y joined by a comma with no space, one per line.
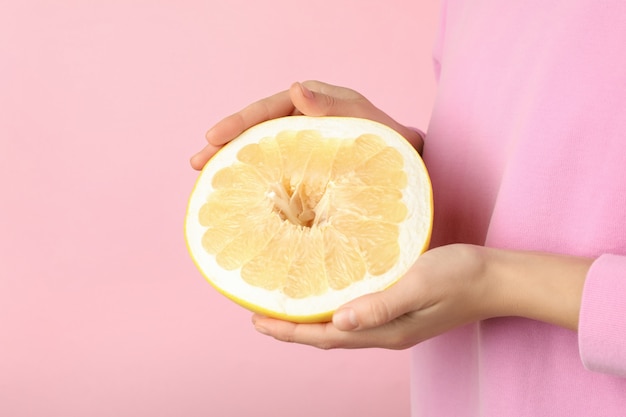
102,312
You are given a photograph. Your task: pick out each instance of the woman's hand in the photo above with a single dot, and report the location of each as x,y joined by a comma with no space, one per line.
448,287
311,98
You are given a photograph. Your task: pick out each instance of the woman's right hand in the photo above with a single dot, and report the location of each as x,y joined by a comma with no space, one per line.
311,98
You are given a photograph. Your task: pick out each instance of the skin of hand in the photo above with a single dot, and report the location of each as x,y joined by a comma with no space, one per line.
311,98
448,287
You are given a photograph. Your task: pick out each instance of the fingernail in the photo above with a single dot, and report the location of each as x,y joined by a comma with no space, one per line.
306,92
345,319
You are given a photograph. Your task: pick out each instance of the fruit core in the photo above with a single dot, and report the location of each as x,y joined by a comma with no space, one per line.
295,206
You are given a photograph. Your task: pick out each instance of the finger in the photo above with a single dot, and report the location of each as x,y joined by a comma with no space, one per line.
377,309
230,127
327,336
260,111
200,159
315,98
315,334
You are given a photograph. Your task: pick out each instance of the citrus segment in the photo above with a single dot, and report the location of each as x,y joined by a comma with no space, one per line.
254,234
377,240
384,168
344,263
306,275
224,204
295,150
216,238
377,202
269,268
239,175
265,156
354,152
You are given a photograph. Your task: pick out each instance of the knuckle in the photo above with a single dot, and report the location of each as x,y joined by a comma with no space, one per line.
379,313
327,341
304,336
285,337
401,343
326,345
330,102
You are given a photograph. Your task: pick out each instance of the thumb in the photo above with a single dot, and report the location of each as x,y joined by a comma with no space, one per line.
373,310
315,98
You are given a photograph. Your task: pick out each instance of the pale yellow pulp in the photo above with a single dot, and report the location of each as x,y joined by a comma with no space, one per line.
303,214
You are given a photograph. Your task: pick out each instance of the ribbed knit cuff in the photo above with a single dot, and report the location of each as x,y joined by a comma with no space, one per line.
602,324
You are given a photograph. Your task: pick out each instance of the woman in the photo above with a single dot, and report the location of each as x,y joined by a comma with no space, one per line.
519,308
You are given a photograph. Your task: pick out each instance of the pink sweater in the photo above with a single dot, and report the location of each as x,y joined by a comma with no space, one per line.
527,150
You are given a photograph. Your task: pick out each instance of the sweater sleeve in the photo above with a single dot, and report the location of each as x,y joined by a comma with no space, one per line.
602,324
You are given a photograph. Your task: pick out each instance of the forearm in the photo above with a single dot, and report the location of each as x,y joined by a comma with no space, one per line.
537,286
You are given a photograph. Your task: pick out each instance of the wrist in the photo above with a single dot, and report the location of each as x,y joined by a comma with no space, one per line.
538,286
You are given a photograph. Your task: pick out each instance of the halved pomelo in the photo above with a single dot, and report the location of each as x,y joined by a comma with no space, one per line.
299,215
